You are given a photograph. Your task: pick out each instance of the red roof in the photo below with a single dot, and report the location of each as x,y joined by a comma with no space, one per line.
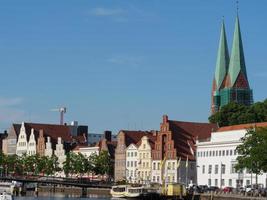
134,136
52,130
194,129
185,135
242,126
151,139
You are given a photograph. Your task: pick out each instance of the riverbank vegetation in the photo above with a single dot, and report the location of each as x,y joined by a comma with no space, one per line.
74,165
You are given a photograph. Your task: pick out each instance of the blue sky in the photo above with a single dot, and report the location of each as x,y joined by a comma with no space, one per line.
120,64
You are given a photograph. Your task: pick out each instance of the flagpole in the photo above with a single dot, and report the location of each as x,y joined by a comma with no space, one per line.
186,173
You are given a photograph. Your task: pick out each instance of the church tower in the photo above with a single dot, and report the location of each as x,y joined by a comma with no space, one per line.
230,83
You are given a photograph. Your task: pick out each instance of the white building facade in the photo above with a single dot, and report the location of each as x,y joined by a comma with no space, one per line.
132,164
48,147
87,151
22,143
145,157
60,152
216,160
31,144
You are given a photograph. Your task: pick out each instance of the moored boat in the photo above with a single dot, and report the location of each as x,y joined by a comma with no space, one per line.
118,191
134,191
6,196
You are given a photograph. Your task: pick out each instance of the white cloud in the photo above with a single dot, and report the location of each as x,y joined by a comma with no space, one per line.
107,12
10,101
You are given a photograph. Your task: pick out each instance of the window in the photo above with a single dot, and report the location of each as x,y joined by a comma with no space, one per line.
209,182
135,163
210,153
222,168
154,166
216,153
216,182
222,183
158,165
223,153
173,165
230,182
232,169
131,154
135,154
210,169
157,178
144,146
128,164
247,182
231,152
227,152
220,153
216,169
203,169
154,178
213,153
131,163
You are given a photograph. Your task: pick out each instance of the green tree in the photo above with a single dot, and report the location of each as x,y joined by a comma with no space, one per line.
102,163
251,151
233,113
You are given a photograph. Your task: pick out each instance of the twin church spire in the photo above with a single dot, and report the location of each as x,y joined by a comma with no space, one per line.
230,82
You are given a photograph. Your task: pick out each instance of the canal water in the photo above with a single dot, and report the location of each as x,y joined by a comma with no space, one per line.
60,196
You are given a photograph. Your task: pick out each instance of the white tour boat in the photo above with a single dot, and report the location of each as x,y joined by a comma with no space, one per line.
6,196
126,191
118,191
134,191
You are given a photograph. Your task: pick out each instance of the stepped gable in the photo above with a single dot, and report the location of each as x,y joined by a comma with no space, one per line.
52,130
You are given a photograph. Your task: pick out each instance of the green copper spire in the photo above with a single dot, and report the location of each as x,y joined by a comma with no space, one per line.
237,60
222,59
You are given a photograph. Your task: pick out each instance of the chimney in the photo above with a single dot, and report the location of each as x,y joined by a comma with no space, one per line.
107,135
165,118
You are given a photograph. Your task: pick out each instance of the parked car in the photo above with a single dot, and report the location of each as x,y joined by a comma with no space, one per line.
228,189
203,188
213,189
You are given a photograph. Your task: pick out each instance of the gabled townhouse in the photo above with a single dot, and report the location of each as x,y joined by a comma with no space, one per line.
31,150
124,139
22,144
60,152
174,152
71,135
132,163
145,146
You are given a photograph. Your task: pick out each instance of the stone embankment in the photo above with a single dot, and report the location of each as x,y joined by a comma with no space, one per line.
228,197
73,190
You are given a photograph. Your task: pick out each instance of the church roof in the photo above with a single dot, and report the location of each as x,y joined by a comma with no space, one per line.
237,61
222,59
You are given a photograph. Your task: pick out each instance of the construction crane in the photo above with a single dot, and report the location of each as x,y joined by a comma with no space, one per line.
62,111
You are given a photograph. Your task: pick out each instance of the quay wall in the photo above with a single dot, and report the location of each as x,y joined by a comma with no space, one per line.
73,190
228,197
